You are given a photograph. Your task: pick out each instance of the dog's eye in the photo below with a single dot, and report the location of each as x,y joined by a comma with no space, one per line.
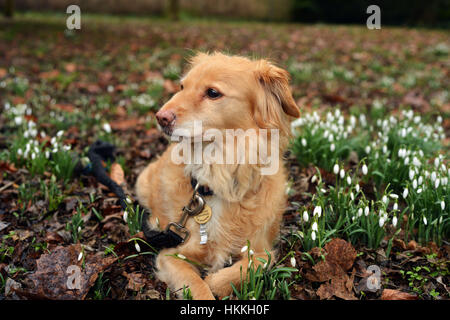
181,87
213,93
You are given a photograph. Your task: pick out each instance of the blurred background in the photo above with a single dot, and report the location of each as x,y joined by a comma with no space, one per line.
402,12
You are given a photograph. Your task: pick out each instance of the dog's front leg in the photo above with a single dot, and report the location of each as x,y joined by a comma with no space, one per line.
178,273
220,282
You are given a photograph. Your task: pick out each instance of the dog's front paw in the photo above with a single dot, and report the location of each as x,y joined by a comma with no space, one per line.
219,285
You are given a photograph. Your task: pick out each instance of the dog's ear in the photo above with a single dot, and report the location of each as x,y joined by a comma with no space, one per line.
275,83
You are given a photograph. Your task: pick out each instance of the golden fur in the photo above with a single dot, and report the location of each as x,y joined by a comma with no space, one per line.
246,205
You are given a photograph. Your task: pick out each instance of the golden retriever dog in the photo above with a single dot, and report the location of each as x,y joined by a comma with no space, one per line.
223,92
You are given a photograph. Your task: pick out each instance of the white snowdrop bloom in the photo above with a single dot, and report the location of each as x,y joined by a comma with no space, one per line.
349,180
19,152
317,211
59,133
425,222
127,199
442,205
367,149
411,174
360,212
304,142
313,235
244,248
336,169
365,170
18,120
414,184
419,191
393,196
79,229
416,162
405,193
406,162
332,147
357,188
394,221
53,141
444,181
80,256
443,168
436,183
433,176
439,119
314,226
436,162
342,173
381,222
314,179
385,200
395,206
106,127
26,134
366,211
138,248
33,156
67,148
43,134
420,180
293,262
400,153
331,137
265,265
323,190
47,154
181,256
385,150
440,220
352,196
251,252
125,216
305,216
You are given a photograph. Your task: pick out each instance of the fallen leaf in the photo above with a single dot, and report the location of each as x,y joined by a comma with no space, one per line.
390,294
51,278
117,174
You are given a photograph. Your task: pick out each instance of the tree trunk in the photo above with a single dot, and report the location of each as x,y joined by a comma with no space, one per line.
174,9
9,8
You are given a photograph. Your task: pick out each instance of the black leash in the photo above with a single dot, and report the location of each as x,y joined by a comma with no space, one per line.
103,151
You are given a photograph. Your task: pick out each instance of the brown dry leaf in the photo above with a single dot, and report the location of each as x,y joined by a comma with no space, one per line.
390,294
3,72
124,124
341,252
49,74
70,67
117,174
52,273
136,281
6,166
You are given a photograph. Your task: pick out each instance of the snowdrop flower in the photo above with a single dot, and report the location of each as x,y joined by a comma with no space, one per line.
367,149
179,255
305,216
317,211
442,205
349,180
406,162
314,226
336,169
293,262
342,173
138,248
395,207
411,174
405,193
47,154
244,248
106,127
357,187
125,216
314,179
381,222
393,196
53,141
416,162
385,200
332,147
366,211
19,152
425,222
313,235
59,133
419,191
128,200
436,183
394,221
251,252
420,180
414,184
18,120
364,169
80,256
360,212
436,162
304,142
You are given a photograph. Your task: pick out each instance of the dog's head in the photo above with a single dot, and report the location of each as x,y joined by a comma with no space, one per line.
230,92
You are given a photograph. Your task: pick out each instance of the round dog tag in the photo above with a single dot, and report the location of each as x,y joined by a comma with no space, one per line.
204,216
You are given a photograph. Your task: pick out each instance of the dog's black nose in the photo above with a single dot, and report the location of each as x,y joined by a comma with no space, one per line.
165,117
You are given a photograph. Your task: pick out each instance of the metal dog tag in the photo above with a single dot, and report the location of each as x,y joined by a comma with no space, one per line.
204,216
